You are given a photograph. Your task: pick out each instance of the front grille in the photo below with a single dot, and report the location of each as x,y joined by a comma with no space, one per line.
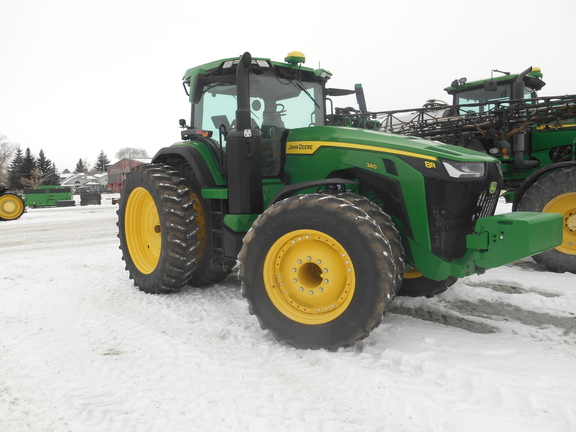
454,206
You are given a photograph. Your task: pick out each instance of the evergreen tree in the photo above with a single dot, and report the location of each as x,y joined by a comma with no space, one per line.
52,176
47,170
15,170
29,169
28,163
44,164
81,166
102,162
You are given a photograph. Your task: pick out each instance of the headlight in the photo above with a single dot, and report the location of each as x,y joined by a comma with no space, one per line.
464,169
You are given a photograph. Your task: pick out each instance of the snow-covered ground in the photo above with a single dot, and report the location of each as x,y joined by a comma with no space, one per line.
81,349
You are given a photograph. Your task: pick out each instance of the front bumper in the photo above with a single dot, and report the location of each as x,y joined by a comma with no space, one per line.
496,241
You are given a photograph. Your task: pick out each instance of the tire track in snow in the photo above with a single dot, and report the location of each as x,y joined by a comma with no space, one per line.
481,305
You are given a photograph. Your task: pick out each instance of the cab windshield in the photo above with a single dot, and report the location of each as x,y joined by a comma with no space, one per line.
276,104
482,98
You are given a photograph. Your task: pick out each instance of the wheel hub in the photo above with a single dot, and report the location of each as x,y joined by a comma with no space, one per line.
309,276
571,222
9,207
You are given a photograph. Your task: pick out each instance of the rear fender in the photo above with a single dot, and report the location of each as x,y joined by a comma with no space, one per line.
200,158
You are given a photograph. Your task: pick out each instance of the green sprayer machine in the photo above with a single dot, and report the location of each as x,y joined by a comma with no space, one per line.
534,138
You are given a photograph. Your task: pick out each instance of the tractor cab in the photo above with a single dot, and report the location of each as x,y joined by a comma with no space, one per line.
477,95
282,96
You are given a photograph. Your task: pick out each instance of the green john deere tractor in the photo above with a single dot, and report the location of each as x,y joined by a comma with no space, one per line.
328,223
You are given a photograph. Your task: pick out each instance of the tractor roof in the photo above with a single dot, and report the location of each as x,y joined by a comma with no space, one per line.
293,61
534,79
224,71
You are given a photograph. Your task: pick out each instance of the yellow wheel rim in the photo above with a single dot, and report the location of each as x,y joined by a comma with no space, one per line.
10,206
142,230
565,204
413,273
309,277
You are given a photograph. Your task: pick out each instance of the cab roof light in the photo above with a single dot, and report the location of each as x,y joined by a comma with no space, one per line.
258,62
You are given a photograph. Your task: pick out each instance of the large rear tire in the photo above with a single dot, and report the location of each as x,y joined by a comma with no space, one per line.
556,193
317,272
11,206
157,229
212,266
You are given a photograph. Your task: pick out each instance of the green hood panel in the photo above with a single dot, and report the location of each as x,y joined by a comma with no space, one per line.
308,140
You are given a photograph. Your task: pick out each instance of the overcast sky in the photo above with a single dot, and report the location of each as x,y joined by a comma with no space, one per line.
77,77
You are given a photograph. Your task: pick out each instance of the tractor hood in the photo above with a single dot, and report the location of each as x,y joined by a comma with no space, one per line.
309,140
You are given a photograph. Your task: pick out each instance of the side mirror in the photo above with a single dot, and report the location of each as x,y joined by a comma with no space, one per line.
360,98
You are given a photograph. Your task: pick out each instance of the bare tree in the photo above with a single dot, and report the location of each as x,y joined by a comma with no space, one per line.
132,153
33,180
6,151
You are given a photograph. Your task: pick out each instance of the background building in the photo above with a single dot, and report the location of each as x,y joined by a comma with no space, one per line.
117,172
96,181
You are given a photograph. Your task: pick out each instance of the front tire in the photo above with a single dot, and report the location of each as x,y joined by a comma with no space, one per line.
556,193
317,272
157,229
386,225
415,284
